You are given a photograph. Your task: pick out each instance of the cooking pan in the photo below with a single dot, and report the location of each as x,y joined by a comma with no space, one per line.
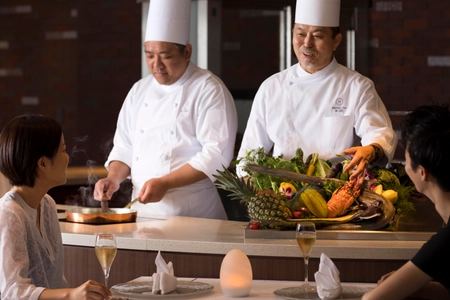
95,215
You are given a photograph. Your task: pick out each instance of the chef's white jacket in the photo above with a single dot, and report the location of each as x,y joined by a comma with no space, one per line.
319,113
161,128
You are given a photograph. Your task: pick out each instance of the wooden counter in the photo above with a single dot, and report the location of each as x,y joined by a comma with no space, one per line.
197,246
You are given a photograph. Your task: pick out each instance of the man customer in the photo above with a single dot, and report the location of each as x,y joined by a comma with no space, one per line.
33,158
176,127
426,138
318,105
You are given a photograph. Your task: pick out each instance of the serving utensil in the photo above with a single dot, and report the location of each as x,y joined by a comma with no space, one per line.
131,203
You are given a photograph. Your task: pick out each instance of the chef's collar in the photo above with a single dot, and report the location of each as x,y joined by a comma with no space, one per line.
302,73
168,88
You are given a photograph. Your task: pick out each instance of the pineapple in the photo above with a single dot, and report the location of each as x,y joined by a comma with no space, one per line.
263,206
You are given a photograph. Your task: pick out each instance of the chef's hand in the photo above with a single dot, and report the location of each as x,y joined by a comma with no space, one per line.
361,156
105,188
153,190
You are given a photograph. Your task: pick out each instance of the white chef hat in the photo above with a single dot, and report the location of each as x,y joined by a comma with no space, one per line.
169,21
318,12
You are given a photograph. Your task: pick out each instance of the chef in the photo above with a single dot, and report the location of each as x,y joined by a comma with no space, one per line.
318,104
176,127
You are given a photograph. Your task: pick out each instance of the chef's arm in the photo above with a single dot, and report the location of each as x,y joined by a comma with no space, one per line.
106,187
155,188
361,156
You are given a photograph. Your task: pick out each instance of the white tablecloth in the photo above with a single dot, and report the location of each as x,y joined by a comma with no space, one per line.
261,289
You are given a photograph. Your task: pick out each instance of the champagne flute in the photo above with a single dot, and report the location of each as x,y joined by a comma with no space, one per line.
306,237
106,250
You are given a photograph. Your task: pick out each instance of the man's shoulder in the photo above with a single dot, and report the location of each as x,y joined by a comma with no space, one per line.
144,81
280,77
204,78
203,74
351,74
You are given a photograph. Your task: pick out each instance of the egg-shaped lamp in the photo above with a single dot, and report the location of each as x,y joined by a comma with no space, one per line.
236,274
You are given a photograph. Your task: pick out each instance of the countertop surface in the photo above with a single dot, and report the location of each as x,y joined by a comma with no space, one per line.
197,235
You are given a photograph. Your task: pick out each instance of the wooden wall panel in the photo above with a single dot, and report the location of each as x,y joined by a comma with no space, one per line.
81,264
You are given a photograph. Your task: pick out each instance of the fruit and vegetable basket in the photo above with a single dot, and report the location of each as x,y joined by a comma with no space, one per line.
280,192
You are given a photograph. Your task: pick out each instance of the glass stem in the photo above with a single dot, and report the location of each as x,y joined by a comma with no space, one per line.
306,259
106,278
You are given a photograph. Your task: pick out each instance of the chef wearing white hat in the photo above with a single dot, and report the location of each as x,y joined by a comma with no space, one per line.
176,128
318,104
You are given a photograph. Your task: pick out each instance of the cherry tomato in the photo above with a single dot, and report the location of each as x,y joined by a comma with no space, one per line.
297,214
254,225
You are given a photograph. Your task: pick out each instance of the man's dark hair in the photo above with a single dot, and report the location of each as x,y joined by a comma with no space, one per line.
335,31
180,47
23,141
426,137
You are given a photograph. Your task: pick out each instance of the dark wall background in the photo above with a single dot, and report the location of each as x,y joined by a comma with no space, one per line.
79,58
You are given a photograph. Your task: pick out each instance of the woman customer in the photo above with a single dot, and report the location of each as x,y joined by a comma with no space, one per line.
4,185
33,157
426,137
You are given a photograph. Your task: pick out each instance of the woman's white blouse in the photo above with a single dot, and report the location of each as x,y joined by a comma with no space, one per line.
29,261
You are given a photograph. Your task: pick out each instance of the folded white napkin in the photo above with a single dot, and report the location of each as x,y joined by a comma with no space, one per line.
164,281
327,279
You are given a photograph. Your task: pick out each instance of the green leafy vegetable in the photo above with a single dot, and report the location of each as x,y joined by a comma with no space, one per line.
263,181
385,177
330,186
389,179
322,168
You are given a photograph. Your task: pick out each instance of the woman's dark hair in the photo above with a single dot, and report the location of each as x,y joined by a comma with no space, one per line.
426,137
23,141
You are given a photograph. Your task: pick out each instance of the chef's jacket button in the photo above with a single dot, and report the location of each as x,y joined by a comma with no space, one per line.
141,131
171,132
136,158
145,104
175,104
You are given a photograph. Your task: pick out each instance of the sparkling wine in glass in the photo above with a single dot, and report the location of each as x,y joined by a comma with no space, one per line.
306,238
106,250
